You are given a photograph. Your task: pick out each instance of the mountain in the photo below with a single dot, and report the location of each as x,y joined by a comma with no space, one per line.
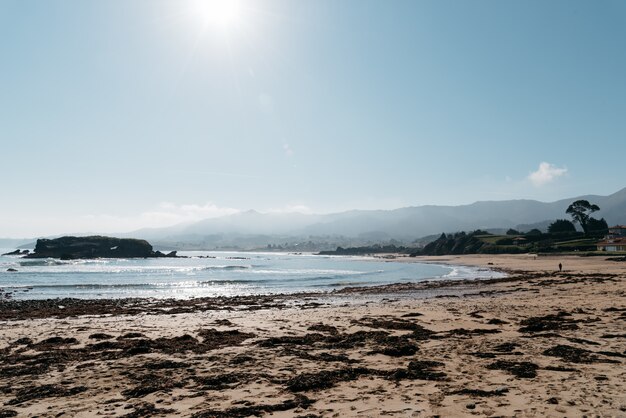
15,243
252,228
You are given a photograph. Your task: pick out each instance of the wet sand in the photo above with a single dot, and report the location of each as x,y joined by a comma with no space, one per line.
537,343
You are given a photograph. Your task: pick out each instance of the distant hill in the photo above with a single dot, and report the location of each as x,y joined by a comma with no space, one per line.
359,227
16,243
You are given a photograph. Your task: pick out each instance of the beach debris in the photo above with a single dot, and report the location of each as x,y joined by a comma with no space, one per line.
148,386
147,409
100,336
242,359
615,309
560,369
499,350
165,364
23,341
324,379
559,321
215,339
53,342
220,381
470,332
419,370
499,391
505,347
399,349
389,324
324,328
131,335
300,401
581,341
522,369
223,322
324,357
484,355
613,336
44,391
23,370
145,383
576,355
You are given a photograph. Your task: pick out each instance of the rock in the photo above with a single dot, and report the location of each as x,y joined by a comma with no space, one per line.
18,252
471,405
72,248
11,269
501,389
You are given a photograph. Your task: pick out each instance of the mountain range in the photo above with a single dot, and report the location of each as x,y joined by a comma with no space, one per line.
357,227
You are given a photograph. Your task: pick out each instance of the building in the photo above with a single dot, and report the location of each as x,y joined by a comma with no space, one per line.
615,240
617,231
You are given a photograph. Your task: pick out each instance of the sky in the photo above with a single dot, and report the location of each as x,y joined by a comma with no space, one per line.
122,114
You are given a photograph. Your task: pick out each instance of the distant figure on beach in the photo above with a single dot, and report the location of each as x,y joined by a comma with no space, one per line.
560,267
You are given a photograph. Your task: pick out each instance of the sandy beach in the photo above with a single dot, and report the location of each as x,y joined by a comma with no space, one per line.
537,343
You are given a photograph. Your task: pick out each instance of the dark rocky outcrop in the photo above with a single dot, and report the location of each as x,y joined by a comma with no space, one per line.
71,248
18,252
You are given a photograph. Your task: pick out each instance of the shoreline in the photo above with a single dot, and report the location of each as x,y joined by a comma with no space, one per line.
17,309
535,343
188,280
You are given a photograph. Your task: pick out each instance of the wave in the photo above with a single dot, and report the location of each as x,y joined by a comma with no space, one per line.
44,262
318,272
467,272
130,285
62,267
208,268
340,284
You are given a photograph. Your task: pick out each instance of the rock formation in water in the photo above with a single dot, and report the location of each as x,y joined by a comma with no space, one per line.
71,248
18,252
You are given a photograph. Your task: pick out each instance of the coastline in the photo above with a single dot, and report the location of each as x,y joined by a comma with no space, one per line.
535,343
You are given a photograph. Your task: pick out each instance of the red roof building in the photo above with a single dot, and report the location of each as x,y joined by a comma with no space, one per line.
615,240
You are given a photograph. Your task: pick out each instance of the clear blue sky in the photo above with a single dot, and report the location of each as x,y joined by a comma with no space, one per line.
120,114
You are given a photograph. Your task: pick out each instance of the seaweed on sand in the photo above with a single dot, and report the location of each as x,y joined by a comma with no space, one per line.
559,321
325,379
44,391
575,354
523,369
300,401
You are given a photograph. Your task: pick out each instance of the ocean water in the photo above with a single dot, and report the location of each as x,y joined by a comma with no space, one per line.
210,274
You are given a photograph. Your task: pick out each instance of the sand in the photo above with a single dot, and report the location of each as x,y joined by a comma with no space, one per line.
538,343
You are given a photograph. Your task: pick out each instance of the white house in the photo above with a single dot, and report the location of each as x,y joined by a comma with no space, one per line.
615,240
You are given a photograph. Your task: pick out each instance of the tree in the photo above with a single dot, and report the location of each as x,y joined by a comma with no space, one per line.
561,225
581,211
597,227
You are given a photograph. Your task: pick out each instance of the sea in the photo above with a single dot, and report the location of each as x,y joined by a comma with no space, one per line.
211,274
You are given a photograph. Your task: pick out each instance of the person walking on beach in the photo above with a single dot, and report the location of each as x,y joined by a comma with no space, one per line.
560,267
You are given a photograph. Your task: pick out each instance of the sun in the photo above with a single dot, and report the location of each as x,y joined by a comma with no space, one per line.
220,14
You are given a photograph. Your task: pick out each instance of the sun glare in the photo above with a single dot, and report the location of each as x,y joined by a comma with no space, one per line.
221,14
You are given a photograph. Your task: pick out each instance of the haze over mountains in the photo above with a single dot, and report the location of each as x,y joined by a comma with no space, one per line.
253,229
313,232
